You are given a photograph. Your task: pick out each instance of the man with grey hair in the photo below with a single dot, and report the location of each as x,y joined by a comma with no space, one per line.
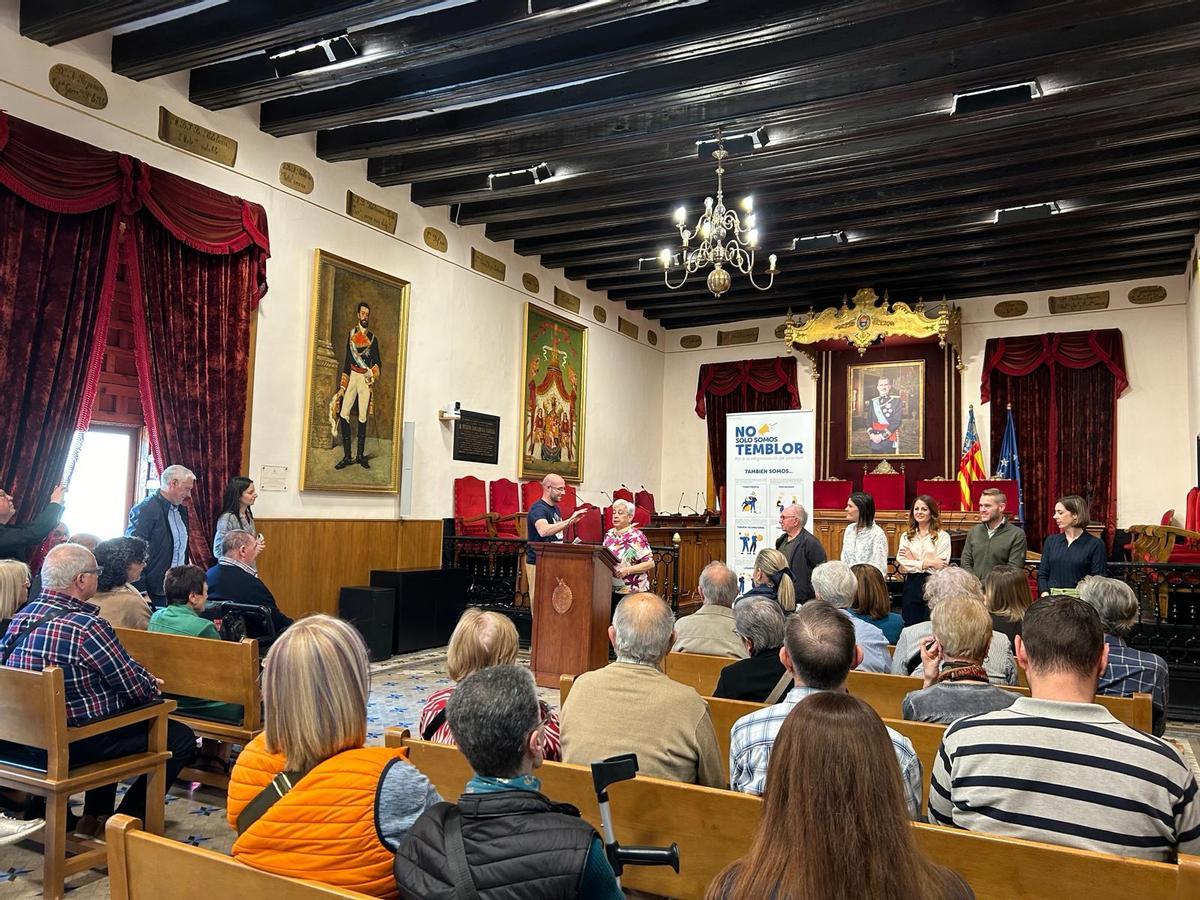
1129,671
710,629
161,520
235,578
835,583
630,706
952,581
759,622
802,551
514,838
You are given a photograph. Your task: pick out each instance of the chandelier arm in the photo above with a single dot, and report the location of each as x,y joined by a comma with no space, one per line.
761,287
667,280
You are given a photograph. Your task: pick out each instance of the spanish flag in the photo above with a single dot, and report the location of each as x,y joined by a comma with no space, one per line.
970,466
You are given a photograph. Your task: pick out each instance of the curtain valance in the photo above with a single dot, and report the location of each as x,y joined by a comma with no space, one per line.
762,376
1072,350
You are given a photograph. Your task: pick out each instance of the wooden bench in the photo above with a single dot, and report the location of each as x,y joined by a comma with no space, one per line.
208,670
144,866
714,827
33,712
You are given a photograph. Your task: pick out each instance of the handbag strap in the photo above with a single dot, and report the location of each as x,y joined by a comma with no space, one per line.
456,857
267,797
28,629
781,686
434,724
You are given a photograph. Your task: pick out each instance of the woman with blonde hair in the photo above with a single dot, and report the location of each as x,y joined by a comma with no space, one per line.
481,638
1008,597
834,790
772,578
14,589
308,800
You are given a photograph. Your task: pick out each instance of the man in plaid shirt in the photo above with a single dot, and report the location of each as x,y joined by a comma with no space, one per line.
60,628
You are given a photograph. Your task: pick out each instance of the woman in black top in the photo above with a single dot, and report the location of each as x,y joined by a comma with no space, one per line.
1073,553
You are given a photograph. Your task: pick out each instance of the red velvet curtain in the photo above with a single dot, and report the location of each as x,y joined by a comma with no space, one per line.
1063,389
748,385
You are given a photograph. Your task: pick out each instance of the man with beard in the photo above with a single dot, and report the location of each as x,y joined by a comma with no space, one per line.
884,415
359,372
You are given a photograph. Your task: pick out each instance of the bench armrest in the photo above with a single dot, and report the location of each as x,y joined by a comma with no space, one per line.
156,709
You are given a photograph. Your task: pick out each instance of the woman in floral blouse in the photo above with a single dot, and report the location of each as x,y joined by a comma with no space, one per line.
631,550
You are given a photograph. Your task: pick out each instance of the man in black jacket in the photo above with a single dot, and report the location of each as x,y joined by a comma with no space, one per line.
16,540
803,551
161,520
234,577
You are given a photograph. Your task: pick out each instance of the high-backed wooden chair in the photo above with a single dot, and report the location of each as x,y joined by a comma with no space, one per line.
623,493
505,506
831,493
945,492
33,712
471,516
886,485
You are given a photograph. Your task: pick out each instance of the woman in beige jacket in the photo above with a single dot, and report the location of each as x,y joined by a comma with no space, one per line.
122,561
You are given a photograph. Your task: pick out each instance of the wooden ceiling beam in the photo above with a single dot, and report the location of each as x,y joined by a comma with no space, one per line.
56,21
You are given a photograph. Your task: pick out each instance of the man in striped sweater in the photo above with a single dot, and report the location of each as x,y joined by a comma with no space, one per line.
1058,768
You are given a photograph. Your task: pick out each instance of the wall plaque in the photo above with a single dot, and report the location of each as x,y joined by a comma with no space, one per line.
488,265
652,337
627,328
1151,293
195,138
78,86
1073,303
296,177
739,336
1010,309
371,213
565,300
690,341
600,314
779,330
434,240
477,438
530,283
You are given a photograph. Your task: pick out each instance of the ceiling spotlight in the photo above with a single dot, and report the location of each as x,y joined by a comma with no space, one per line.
314,54
499,181
1026,213
736,145
819,241
995,98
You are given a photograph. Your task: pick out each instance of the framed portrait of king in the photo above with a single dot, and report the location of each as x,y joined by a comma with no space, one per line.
553,394
885,410
355,390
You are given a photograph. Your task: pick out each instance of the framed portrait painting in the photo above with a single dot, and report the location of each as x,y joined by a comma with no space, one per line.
356,358
553,392
885,410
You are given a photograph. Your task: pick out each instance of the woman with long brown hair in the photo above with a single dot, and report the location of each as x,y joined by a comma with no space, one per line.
872,602
924,548
834,824
1008,597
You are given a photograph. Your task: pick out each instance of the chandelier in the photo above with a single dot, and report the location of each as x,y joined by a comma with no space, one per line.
726,240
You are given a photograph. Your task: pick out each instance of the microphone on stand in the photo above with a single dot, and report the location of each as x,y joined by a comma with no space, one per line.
693,510
699,501
679,505
609,496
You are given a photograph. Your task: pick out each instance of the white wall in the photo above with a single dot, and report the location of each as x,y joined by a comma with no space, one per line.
1192,281
465,329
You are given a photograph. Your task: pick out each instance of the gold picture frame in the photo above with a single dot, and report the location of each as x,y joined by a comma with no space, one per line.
553,396
351,358
902,411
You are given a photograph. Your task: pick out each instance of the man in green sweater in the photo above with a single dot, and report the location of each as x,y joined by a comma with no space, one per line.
994,541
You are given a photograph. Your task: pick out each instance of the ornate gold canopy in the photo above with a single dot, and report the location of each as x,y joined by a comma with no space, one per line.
867,319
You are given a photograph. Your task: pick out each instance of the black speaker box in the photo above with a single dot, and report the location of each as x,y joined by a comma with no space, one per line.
372,610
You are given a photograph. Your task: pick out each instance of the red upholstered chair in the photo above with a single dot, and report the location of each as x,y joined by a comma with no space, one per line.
886,485
832,493
505,506
1007,485
1167,517
589,526
606,520
623,493
641,517
471,516
569,503
945,491
1192,520
531,493
643,499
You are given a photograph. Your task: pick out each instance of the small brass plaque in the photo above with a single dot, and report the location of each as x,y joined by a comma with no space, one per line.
296,177
690,341
627,328
1073,303
652,337
565,300
371,213
530,283
600,314
1151,293
779,329
195,138
488,265
740,336
78,86
435,240
1010,309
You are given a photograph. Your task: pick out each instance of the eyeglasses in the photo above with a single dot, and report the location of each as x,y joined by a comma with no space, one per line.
96,571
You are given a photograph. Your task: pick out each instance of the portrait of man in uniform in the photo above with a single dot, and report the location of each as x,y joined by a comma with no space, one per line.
886,410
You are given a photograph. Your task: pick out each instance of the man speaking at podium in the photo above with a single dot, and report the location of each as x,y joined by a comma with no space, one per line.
545,524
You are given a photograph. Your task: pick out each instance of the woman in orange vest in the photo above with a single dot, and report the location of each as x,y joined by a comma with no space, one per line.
309,770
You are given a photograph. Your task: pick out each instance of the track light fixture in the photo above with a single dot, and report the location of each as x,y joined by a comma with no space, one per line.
819,241
499,181
1026,213
314,54
996,98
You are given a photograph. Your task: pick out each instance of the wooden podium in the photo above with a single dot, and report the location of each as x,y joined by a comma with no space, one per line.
572,609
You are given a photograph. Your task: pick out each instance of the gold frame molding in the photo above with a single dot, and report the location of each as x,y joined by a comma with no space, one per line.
524,470
866,369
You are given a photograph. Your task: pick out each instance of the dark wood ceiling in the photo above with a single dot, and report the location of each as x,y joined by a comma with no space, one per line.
613,95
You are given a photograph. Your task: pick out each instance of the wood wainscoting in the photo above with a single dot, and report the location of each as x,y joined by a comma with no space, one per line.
308,561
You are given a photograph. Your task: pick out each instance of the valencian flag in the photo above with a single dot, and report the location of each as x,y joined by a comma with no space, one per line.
970,466
1010,463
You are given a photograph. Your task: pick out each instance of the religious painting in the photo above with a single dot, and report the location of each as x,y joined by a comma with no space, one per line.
354,400
553,382
885,410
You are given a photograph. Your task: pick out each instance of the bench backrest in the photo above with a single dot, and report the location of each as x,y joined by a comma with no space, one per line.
201,667
33,712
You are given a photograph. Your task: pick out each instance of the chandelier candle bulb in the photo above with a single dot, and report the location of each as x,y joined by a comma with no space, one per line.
750,220
680,216
752,237
665,256
771,259
748,203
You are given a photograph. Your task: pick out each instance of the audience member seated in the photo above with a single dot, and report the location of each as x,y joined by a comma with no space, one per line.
631,550
773,579
1129,671
1073,553
872,603
953,582
956,683
516,841
237,513
819,651
995,541
308,800
835,583
759,622
924,548
1008,597
235,578
121,561
161,520
863,541
802,551
1059,768
60,628
833,824
14,589
630,706
480,639
16,540
710,629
